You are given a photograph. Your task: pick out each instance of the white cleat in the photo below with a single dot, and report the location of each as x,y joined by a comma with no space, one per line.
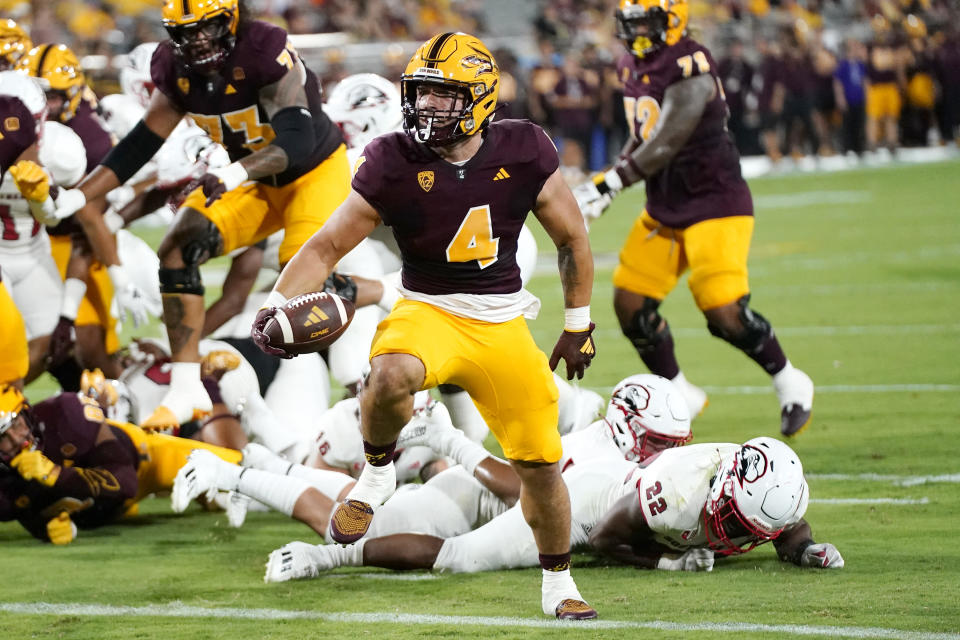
694,396
297,560
795,392
237,505
202,474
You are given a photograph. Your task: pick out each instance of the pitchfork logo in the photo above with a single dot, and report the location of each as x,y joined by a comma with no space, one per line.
752,465
478,61
635,397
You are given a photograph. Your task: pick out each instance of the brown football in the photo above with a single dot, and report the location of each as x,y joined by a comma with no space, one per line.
309,322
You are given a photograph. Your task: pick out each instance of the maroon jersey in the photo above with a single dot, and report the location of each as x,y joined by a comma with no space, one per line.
101,474
703,180
17,131
227,104
457,226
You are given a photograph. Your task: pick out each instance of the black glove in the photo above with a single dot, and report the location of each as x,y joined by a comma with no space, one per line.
577,349
262,339
61,342
342,285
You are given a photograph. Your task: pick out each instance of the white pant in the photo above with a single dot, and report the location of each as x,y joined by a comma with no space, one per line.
34,282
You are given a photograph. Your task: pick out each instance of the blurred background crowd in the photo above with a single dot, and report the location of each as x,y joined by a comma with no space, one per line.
802,77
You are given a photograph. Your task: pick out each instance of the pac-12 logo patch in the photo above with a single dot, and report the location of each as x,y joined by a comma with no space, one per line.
425,178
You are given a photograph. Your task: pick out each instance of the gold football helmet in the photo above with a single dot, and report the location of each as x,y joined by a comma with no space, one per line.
461,64
13,404
203,31
14,42
648,25
57,69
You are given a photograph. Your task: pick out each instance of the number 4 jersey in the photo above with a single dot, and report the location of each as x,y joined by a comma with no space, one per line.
703,179
457,225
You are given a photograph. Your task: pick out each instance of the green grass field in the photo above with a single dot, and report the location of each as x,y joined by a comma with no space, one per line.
860,274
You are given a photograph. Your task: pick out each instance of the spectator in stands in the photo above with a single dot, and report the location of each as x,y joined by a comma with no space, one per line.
885,77
573,101
770,96
798,82
947,73
824,98
918,117
848,83
737,76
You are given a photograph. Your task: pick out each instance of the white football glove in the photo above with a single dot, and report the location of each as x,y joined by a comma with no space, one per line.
128,296
822,555
595,195
692,560
68,202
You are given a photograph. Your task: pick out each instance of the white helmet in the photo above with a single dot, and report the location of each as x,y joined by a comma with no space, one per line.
28,90
756,493
646,415
62,154
365,106
135,79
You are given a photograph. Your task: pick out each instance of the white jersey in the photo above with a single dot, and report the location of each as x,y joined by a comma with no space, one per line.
594,442
673,490
507,541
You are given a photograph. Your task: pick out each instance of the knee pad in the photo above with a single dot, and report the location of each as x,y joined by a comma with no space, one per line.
756,329
201,244
644,331
185,280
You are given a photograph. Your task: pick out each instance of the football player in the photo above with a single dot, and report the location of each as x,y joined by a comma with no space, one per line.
243,83
699,212
71,102
456,188
64,465
14,42
675,513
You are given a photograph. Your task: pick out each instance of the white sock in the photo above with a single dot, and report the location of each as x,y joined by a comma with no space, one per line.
455,444
465,415
786,371
375,484
277,492
260,457
350,555
329,483
259,421
184,376
557,586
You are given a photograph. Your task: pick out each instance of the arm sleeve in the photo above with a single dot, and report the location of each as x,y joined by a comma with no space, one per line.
368,177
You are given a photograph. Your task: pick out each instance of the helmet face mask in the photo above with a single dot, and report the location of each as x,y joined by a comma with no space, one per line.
456,66
646,415
754,496
646,26
18,429
203,32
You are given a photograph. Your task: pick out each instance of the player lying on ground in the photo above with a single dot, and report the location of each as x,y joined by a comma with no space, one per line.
662,515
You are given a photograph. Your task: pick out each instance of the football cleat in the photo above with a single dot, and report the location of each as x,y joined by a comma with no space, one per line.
695,397
218,362
201,475
350,521
297,560
571,609
795,392
178,408
236,508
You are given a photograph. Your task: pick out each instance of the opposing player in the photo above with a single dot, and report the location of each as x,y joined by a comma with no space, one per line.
243,83
64,465
456,201
699,212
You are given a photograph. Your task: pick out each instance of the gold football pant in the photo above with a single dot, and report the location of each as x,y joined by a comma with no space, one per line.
253,211
654,257
95,306
161,457
499,364
14,358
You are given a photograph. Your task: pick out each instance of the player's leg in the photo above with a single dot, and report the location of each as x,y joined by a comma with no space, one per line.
717,250
651,261
14,360
36,288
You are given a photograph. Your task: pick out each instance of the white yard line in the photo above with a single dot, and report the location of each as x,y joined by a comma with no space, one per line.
178,610
898,480
830,388
846,501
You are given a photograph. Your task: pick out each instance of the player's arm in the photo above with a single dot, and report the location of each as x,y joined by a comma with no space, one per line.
236,288
620,533
795,544
127,157
557,211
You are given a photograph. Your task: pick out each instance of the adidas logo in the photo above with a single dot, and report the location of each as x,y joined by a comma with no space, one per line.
316,315
501,174
588,347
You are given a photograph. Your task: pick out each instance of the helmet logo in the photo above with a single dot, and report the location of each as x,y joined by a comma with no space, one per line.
635,401
477,61
752,465
183,84
425,178
12,124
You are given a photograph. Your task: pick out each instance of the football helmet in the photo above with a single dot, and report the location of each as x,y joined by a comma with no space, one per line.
461,64
135,79
28,91
62,154
646,415
203,31
14,42
13,404
755,494
646,26
365,106
57,69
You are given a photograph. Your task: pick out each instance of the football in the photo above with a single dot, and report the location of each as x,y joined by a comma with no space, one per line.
309,322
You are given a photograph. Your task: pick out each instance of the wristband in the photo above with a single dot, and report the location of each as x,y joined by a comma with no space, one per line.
576,319
233,175
73,292
274,299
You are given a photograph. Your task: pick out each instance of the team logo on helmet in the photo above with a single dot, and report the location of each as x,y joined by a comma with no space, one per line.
480,63
425,178
752,465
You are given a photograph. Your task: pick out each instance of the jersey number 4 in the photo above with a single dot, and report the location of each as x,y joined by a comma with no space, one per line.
474,239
